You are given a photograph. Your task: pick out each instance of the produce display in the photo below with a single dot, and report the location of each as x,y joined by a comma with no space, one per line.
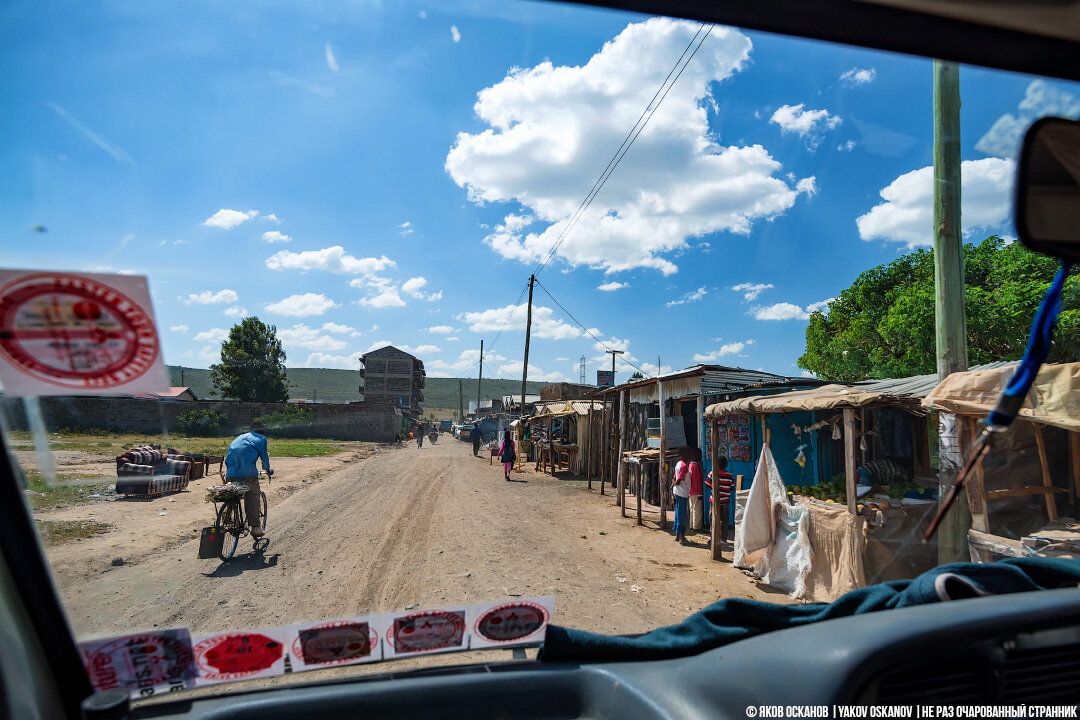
835,492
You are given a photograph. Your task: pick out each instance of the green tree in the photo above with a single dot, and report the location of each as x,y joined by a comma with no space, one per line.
252,367
883,325
637,376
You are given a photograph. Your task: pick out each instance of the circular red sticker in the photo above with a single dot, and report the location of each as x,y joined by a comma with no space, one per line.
335,643
75,332
140,661
429,630
511,622
234,656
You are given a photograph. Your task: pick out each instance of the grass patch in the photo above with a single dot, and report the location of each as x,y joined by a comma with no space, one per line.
44,497
113,444
58,532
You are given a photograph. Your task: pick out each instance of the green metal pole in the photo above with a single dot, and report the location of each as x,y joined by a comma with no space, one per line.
950,321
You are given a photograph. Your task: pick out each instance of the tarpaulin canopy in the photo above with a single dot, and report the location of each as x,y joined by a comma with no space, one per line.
1054,398
904,392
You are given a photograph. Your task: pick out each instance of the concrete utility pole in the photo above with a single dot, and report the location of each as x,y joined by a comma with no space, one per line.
480,378
950,320
528,333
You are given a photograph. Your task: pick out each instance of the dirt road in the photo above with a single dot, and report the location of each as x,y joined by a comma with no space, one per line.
430,527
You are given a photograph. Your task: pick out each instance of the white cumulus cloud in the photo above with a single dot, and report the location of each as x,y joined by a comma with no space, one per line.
513,369
208,297
1041,99
274,236
413,287
858,76
301,335
381,292
332,259
513,317
751,291
235,312
303,305
441,329
340,329
405,228
329,360
780,311
228,219
271,217
906,215
612,286
549,127
180,328
455,34
692,296
331,60
212,335
810,125
734,348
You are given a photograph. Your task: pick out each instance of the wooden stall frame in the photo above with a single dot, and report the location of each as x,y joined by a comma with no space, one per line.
850,470
661,475
621,492
714,459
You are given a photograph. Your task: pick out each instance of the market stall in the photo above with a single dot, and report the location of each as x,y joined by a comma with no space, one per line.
863,449
1018,494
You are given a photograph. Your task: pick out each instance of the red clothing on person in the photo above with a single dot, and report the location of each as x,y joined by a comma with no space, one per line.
696,479
724,487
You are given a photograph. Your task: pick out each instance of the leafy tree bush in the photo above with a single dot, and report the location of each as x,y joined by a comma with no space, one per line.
252,367
883,325
290,421
201,423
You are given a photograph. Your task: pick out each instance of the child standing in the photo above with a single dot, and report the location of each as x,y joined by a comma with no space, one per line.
507,455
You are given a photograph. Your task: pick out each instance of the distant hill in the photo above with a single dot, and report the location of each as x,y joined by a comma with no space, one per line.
341,386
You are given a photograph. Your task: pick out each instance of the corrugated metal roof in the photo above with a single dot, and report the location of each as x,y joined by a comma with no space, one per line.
715,379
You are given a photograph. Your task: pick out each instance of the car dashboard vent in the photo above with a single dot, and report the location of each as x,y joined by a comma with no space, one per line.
1021,669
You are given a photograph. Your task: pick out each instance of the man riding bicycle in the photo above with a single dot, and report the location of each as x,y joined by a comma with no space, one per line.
240,467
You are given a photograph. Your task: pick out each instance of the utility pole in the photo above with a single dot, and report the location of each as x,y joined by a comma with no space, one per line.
528,333
480,378
950,321
613,353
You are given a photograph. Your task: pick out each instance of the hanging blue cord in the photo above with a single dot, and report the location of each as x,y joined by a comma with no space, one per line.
1038,349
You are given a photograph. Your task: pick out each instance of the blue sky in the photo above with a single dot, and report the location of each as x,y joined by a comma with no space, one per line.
365,173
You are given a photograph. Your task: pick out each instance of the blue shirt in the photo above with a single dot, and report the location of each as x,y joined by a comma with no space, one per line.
243,454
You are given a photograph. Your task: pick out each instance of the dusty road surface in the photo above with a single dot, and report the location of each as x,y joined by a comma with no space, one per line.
426,527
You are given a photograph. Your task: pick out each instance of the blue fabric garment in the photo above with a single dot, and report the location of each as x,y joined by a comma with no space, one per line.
682,515
707,513
244,451
735,619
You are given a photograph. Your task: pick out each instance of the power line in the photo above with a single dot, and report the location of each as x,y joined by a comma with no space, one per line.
627,142
607,348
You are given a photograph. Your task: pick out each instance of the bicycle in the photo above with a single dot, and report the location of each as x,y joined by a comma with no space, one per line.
230,515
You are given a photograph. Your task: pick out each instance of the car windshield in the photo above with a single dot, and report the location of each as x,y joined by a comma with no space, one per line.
531,309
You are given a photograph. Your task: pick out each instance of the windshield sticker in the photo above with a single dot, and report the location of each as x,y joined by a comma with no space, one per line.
85,334
240,655
143,664
329,644
428,631
518,622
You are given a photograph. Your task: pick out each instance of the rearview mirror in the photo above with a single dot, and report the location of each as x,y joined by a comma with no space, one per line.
1048,189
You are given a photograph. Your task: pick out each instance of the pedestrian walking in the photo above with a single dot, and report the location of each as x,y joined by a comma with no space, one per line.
476,436
507,454
697,490
721,486
420,434
680,489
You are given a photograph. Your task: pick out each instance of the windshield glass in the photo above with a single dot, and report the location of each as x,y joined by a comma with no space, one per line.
350,243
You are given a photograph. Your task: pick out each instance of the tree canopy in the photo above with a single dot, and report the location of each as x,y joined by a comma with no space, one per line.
252,367
883,325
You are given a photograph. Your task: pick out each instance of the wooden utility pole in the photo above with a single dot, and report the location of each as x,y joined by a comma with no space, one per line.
480,378
714,462
528,332
613,353
950,322
661,473
621,501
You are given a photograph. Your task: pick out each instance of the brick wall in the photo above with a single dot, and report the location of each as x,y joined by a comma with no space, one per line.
375,420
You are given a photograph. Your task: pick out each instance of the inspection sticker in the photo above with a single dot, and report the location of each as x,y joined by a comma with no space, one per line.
77,333
427,631
239,655
329,644
515,622
143,664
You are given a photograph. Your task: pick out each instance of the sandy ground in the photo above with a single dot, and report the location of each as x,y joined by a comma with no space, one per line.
426,527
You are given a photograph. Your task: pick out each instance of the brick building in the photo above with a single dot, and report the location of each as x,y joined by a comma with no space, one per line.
392,373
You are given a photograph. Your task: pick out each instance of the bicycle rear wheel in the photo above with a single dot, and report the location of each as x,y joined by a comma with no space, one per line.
262,509
228,522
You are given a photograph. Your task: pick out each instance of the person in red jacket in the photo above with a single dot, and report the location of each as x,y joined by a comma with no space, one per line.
697,489
722,487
